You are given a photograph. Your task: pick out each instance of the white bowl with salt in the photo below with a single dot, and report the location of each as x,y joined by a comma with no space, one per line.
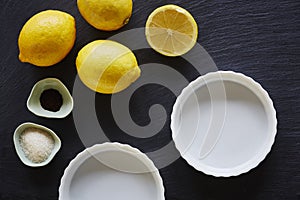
36,145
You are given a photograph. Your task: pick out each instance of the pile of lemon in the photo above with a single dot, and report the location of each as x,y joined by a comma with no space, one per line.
104,66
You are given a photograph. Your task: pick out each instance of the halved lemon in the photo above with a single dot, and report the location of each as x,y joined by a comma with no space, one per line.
171,30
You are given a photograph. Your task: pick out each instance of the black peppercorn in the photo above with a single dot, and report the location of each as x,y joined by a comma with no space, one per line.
51,100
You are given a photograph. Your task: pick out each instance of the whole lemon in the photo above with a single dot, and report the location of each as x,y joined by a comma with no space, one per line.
46,38
106,15
106,66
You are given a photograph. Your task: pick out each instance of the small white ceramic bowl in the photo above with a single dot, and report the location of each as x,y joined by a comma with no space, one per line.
16,138
223,123
111,171
34,104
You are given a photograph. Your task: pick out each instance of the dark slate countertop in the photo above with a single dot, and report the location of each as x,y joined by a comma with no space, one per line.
258,38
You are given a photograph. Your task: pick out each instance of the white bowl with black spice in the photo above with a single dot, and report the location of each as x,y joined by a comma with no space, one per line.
36,145
50,98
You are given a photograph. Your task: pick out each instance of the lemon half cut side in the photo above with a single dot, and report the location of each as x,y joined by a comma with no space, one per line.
171,30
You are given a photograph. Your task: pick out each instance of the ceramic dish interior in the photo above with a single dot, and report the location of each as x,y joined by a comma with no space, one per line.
34,105
111,171
223,123
16,138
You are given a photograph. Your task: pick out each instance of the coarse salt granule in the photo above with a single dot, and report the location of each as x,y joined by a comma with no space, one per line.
36,144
